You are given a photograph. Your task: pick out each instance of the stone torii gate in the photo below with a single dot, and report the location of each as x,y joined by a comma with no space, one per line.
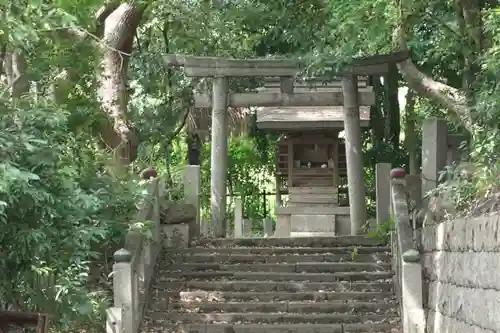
220,69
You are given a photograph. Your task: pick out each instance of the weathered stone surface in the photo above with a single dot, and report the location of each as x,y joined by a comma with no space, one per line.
177,213
275,276
176,235
411,255
291,242
340,284
461,260
370,250
265,286
278,328
280,296
312,223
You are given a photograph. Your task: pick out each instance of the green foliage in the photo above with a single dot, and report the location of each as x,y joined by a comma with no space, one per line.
60,211
247,176
56,216
353,251
382,232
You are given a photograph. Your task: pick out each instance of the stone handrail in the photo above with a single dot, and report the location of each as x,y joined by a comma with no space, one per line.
134,266
406,259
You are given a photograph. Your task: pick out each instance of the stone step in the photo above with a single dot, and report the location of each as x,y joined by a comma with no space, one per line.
274,328
267,286
311,267
280,258
274,276
268,307
341,250
275,285
268,318
215,296
316,241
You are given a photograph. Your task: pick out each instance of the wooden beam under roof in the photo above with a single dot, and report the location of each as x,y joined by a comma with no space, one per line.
215,66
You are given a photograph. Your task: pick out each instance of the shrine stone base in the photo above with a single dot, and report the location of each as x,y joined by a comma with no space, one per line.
293,221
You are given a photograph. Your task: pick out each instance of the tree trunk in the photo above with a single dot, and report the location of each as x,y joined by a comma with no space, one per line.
393,121
15,67
377,122
411,135
471,27
194,149
118,37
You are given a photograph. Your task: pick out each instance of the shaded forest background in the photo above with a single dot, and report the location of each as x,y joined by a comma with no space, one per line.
86,102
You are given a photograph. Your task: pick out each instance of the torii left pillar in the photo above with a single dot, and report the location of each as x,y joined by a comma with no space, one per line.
219,155
354,155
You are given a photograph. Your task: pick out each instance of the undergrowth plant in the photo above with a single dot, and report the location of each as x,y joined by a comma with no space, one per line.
382,231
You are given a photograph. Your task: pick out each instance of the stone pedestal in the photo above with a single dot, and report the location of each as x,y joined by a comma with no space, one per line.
312,221
312,211
176,235
282,223
312,225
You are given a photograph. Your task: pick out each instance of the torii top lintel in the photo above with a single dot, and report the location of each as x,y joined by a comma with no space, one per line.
215,66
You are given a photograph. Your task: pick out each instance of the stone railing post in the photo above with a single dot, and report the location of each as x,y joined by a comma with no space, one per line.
238,218
407,262
268,227
156,217
247,227
383,191
434,152
123,290
192,195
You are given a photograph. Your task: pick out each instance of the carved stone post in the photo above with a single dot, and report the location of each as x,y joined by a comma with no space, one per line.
247,227
114,317
192,194
434,152
278,191
383,191
238,218
355,176
218,159
268,227
123,289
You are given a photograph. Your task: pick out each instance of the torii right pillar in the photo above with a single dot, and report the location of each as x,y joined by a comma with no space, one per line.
354,155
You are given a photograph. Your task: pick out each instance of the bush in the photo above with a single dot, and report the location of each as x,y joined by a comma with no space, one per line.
58,213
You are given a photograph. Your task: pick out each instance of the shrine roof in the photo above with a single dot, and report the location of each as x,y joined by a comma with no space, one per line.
293,118
308,117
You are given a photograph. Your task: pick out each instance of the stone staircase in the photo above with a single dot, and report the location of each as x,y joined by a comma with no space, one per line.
274,285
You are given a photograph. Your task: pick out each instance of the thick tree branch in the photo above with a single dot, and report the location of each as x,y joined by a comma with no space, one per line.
450,98
3,52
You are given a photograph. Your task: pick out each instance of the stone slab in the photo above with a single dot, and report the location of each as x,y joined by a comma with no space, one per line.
316,210
291,242
176,235
205,296
312,223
